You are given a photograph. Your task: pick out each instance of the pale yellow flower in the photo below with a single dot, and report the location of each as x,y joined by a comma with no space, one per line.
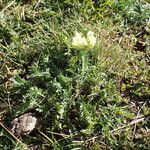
78,41
91,39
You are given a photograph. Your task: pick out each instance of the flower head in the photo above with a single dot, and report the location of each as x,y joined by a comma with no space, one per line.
91,39
80,42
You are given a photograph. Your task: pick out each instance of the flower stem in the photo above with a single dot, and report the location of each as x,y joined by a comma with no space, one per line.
84,63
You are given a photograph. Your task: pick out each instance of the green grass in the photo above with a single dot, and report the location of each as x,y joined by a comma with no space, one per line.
84,97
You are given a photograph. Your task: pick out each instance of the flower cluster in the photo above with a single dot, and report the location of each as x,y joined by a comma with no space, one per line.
80,42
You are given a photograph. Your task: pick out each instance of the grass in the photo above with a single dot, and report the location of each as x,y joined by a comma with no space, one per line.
87,99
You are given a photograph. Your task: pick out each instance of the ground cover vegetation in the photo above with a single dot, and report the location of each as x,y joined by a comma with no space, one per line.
86,97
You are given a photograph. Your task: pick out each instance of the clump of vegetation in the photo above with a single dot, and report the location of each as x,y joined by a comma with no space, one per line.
82,67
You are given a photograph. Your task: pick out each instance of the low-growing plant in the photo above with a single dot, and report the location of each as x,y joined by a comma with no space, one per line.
82,74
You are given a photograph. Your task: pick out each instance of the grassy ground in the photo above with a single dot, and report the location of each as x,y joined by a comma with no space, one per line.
96,98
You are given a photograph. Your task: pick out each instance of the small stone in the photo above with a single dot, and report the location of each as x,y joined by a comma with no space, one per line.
24,124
